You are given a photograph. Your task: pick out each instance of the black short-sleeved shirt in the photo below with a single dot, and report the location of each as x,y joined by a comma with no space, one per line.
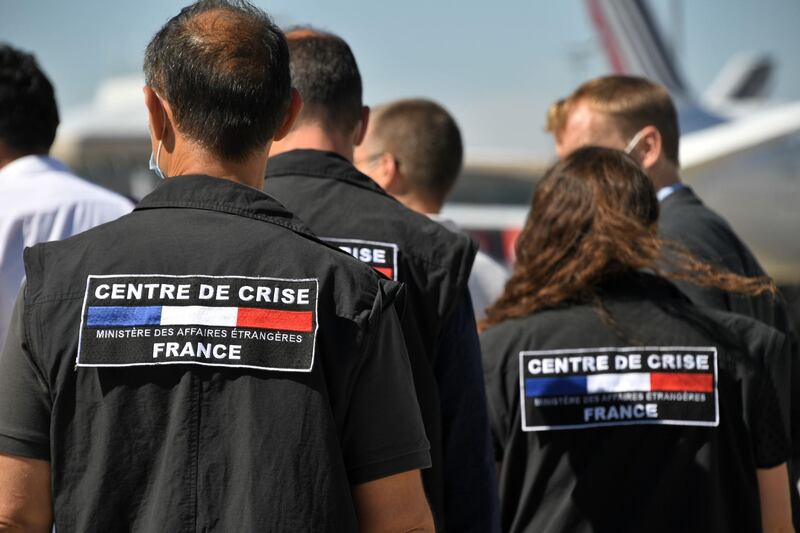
347,208
654,422
204,363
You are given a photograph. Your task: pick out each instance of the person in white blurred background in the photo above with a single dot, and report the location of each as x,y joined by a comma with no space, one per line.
40,199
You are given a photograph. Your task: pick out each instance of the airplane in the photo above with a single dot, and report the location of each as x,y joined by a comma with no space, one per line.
740,153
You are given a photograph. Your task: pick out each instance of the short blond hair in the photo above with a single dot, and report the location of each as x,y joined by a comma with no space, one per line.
631,102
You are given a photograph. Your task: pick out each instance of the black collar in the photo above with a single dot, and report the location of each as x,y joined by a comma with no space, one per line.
631,284
683,195
216,194
320,164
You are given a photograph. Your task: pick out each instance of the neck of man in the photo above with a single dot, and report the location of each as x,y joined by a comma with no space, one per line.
419,204
7,155
313,136
188,158
663,174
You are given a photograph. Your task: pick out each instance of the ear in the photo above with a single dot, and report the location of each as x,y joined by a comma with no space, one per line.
295,106
649,149
156,112
387,174
361,129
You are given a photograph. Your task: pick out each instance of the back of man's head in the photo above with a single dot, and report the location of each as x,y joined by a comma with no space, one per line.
223,66
426,143
325,73
28,111
632,103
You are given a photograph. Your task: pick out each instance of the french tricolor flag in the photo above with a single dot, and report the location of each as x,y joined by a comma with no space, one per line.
197,315
622,382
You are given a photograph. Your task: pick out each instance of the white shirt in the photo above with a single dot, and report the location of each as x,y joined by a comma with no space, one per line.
487,279
41,200
665,192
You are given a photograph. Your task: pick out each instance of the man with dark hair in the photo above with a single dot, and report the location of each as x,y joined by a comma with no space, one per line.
313,175
413,150
205,363
40,199
330,79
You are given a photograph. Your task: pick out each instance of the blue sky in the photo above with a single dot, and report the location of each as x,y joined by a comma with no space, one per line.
495,67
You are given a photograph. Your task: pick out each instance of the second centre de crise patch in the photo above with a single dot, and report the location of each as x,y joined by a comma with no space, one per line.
232,321
382,256
593,387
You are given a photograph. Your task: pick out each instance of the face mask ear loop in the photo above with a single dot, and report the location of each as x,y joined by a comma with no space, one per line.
633,142
163,129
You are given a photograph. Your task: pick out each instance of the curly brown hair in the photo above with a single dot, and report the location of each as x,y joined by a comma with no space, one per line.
594,215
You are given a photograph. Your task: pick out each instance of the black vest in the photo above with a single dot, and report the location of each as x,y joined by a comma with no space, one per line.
348,209
655,420
211,365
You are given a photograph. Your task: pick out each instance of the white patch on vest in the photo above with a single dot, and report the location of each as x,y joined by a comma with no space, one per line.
382,256
612,386
261,323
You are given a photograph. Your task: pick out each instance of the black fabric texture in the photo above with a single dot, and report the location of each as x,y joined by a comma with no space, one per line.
684,218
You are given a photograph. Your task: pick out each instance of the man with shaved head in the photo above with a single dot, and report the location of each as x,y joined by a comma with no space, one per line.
311,172
205,363
413,150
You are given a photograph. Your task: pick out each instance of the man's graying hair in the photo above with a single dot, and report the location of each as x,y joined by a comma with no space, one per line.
223,66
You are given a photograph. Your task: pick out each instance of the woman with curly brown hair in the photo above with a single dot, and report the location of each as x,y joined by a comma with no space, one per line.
617,404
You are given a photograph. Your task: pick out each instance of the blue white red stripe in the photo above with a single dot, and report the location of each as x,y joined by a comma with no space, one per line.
621,382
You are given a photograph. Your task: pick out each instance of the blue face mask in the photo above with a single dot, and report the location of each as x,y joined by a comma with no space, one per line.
153,164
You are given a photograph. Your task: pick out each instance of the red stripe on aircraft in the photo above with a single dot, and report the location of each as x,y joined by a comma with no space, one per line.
606,36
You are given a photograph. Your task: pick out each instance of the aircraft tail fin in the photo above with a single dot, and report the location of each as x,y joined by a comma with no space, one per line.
633,43
746,76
